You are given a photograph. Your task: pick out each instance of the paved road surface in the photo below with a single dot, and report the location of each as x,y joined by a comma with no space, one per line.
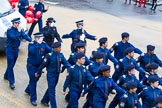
102,18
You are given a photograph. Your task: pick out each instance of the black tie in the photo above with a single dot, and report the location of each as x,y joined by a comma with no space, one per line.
106,88
80,78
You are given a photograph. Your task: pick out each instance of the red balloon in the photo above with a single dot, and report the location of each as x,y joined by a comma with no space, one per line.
28,13
31,8
38,14
10,1
15,0
30,20
13,5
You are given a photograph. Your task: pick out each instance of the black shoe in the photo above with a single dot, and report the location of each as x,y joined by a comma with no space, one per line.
27,93
45,104
5,78
34,103
12,86
144,6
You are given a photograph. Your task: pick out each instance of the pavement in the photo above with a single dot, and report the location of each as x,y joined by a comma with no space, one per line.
102,18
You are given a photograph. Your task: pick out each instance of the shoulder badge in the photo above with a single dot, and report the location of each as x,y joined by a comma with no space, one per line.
125,96
49,54
121,60
116,43
124,76
72,67
72,54
96,77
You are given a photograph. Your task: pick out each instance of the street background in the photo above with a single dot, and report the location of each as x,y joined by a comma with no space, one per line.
101,18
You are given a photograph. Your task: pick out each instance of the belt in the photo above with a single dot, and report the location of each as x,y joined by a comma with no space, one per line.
32,65
13,48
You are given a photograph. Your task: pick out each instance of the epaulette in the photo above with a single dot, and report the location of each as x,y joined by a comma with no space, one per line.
124,76
96,77
121,60
125,95
50,53
145,88
142,54
91,64
117,82
32,42
72,67
43,42
84,66
72,54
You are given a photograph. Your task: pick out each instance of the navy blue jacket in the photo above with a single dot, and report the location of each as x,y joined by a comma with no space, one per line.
124,62
50,33
130,100
14,37
74,35
93,68
36,53
119,48
126,78
53,62
22,6
149,97
146,59
151,74
107,55
77,78
101,90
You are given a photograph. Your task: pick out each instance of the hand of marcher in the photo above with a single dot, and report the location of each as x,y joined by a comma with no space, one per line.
36,75
63,93
81,95
47,7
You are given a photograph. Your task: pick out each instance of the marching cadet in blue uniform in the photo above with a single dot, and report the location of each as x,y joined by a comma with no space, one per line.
103,42
77,78
127,77
130,99
119,47
124,62
146,59
149,95
78,35
80,48
37,50
102,86
23,6
153,67
93,69
52,62
50,32
38,7
14,36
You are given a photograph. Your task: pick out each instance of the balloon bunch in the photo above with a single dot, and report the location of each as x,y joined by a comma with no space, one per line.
13,3
29,15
